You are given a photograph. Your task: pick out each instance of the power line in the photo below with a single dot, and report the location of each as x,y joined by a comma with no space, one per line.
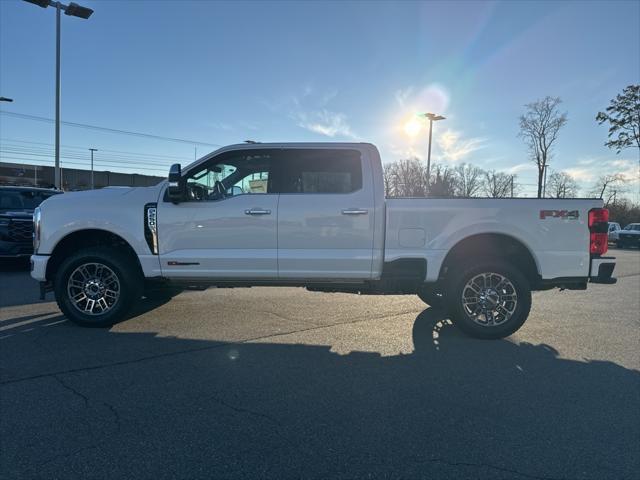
81,156
152,155
106,129
97,164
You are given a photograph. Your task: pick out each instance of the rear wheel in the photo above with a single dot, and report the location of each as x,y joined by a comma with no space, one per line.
431,295
490,300
96,287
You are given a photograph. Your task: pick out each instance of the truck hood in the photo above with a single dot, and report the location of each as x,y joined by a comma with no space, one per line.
104,197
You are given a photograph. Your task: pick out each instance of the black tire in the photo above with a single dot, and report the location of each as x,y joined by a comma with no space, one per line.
431,295
465,321
127,273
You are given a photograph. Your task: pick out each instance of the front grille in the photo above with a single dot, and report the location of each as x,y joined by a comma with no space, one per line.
21,230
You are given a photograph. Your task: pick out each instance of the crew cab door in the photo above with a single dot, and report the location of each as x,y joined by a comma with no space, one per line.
325,214
226,226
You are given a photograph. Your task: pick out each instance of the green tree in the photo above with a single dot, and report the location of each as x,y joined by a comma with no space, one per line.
623,116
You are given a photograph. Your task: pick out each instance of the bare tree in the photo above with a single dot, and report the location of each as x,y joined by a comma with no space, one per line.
623,116
608,187
405,178
388,177
562,185
498,184
539,128
442,182
468,180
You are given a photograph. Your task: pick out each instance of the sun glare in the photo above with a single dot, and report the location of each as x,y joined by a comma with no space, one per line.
412,127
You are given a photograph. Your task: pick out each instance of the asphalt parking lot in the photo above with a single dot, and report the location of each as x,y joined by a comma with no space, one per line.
284,383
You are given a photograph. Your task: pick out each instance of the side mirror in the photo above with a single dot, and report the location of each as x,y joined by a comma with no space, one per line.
175,191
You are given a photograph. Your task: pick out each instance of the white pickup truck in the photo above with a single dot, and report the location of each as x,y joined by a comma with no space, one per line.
315,216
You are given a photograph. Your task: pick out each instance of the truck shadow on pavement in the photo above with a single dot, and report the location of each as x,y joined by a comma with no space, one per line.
135,405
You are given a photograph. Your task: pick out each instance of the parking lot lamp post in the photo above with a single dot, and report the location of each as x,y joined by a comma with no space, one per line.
73,10
432,117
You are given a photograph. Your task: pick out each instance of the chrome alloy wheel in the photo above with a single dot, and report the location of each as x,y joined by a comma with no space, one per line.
93,288
489,299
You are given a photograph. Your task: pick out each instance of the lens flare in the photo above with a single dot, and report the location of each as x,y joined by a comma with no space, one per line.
413,127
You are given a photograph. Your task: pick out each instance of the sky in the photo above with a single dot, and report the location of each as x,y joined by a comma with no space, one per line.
221,73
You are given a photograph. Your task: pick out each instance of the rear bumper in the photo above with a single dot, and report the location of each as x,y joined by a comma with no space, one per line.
601,270
39,267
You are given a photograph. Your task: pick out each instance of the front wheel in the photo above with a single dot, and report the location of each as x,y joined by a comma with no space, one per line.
96,287
490,300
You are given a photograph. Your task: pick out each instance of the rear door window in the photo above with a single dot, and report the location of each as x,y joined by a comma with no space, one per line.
320,171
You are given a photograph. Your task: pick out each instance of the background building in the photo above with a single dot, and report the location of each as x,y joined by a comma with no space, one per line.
72,178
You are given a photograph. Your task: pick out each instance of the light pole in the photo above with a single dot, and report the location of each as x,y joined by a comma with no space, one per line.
432,117
73,10
92,150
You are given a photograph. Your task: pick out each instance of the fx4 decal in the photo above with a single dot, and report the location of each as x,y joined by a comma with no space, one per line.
566,214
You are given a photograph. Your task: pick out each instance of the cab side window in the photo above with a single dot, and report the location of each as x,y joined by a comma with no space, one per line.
228,175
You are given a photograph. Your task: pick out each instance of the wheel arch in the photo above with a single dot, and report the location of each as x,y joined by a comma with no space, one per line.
91,237
497,246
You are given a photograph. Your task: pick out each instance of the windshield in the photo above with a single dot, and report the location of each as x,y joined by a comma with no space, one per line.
16,200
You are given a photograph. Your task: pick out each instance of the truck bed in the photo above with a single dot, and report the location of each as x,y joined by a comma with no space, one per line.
554,230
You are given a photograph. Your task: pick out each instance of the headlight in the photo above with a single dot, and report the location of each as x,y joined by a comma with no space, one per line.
36,229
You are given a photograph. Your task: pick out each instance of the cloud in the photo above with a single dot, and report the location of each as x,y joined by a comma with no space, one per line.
325,122
521,167
590,169
402,95
581,174
432,98
309,110
453,147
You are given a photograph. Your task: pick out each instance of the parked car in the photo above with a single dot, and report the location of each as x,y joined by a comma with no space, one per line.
314,215
614,230
16,219
629,236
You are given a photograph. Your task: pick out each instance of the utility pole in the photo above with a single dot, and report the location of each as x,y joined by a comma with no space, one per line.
92,150
432,117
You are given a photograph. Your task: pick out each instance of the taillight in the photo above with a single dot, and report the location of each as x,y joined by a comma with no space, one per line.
598,231
599,243
598,215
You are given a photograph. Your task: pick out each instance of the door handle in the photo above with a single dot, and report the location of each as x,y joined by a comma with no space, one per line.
257,211
354,211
